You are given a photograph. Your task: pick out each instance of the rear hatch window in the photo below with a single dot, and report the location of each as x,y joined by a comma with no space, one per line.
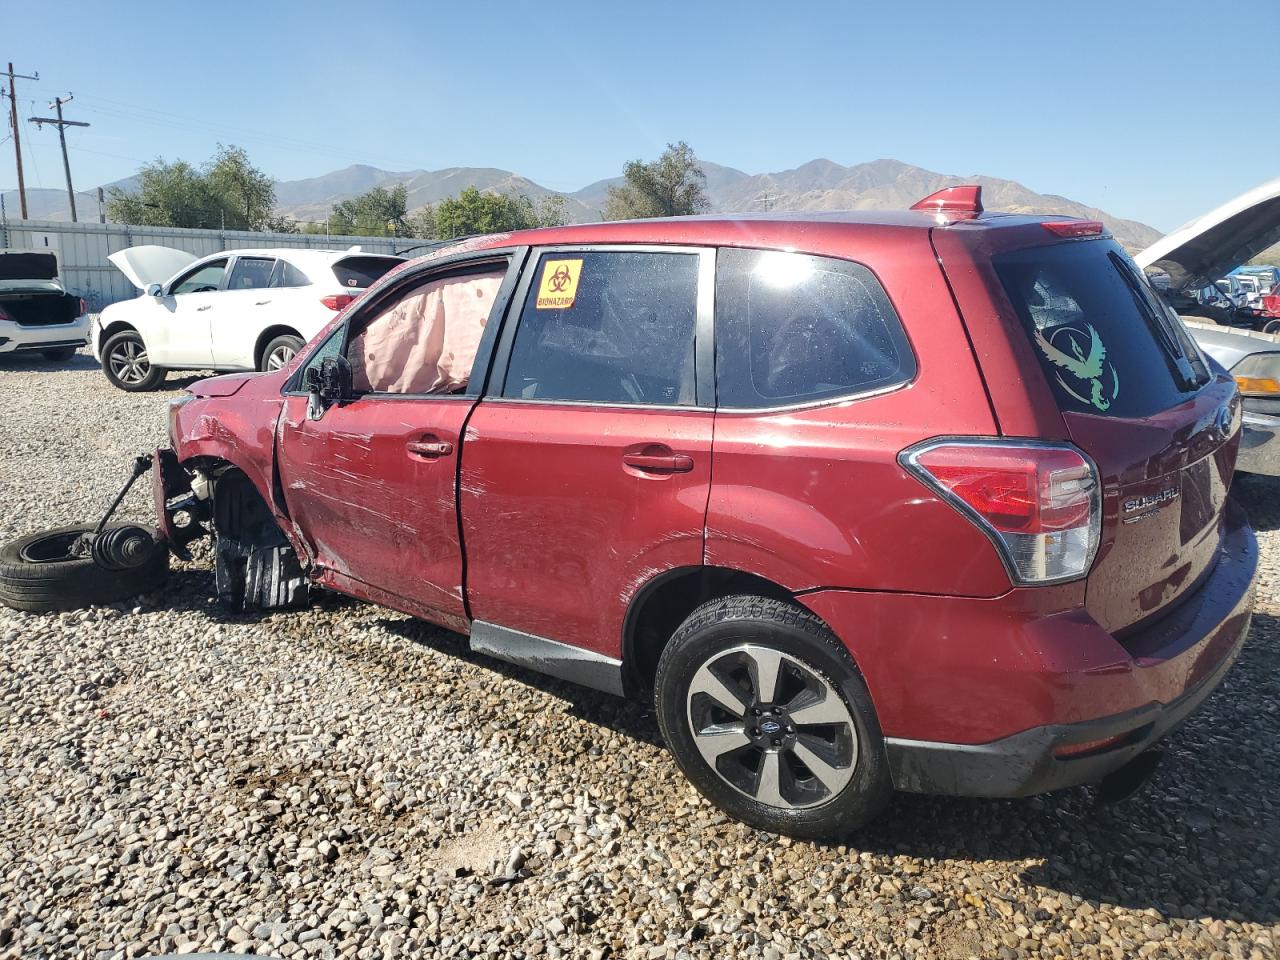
363,271
1136,395
1106,342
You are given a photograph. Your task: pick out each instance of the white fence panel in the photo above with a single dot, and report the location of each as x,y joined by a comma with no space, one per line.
82,249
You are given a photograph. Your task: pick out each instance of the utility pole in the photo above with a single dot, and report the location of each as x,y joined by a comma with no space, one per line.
17,142
62,135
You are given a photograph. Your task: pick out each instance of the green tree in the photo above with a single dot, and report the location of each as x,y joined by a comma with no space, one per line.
378,213
227,192
168,195
473,211
246,195
671,186
422,223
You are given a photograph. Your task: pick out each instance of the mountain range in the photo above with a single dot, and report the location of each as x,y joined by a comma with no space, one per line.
816,185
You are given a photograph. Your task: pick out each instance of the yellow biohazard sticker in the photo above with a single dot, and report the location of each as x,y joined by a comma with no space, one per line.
559,284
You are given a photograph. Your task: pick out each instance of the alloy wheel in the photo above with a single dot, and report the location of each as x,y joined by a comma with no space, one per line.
279,357
772,727
129,361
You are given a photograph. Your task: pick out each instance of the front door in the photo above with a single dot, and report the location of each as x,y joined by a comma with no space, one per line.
587,468
371,485
182,337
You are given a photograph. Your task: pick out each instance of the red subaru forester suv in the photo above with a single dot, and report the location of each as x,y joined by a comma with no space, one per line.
931,501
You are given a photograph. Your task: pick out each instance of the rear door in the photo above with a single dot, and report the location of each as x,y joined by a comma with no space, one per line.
586,469
242,312
1137,396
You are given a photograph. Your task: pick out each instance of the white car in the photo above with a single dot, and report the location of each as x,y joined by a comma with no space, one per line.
235,310
37,314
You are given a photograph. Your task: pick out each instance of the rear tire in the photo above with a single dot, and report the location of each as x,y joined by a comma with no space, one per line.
125,362
798,754
279,352
59,354
37,575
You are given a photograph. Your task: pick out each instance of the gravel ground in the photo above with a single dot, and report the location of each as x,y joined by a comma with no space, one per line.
346,781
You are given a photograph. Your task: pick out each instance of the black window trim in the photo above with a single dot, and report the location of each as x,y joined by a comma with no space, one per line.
833,399
703,342
385,290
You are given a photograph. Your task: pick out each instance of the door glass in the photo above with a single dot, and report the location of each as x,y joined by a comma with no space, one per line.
202,279
426,341
792,328
251,273
607,326
286,274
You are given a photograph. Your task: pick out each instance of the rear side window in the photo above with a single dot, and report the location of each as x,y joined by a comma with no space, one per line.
361,272
1105,343
793,328
287,275
607,326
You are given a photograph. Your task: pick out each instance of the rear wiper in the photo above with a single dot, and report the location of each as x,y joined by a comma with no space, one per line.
1159,325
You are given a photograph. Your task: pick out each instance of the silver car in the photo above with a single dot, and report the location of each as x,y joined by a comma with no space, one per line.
1210,247
1254,360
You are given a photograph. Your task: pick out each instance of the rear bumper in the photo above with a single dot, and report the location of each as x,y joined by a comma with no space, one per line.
1034,683
1024,764
1260,445
20,338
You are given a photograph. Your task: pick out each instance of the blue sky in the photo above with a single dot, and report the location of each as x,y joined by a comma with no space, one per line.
1154,111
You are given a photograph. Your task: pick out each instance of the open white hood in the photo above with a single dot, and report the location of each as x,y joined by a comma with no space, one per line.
1214,244
150,264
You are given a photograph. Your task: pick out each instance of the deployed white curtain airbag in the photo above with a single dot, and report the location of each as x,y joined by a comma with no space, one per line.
426,342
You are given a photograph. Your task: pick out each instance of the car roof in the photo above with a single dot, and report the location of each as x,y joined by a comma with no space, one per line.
741,229
294,253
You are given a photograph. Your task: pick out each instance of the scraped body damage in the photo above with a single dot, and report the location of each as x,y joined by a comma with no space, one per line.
374,511
227,447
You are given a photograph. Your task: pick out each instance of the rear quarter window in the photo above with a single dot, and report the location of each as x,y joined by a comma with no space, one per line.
793,328
359,272
1093,325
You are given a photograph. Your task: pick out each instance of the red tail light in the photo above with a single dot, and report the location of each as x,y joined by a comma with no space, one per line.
1074,228
84,308
339,301
1038,503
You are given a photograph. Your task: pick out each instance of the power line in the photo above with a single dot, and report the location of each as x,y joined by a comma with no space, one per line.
62,136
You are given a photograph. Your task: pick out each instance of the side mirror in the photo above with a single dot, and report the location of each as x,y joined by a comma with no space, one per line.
327,384
154,290
335,379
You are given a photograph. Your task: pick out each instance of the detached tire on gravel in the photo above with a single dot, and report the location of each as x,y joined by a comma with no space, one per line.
38,575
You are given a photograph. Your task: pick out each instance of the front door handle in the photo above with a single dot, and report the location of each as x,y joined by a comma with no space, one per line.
659,463
261,303
205,307
429,449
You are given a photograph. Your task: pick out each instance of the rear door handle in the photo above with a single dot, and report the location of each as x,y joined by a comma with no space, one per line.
429,449
261,303
659,463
